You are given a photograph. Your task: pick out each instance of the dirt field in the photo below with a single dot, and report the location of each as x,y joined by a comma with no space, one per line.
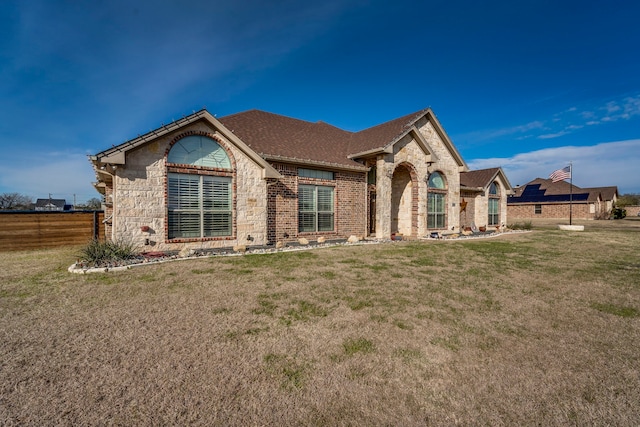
539,328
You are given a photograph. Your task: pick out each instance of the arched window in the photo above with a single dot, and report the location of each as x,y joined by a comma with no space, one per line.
199,189
199,150
436,201
494,204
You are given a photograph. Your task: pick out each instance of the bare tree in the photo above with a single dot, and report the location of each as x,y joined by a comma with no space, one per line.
14,201
93,204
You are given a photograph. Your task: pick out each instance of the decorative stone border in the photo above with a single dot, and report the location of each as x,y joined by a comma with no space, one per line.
82,269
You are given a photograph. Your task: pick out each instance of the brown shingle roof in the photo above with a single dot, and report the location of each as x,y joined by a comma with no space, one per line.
275,136
478,178
381,135
607,193
562,187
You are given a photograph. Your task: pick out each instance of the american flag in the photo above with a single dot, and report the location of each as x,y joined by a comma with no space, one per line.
561,174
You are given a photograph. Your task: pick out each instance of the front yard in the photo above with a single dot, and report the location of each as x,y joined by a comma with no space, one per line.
538,328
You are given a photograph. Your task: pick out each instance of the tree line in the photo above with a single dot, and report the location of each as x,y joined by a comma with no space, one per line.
17,201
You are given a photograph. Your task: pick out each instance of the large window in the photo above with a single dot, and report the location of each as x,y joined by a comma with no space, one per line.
199,200
494,205
315,208
199,206
436,201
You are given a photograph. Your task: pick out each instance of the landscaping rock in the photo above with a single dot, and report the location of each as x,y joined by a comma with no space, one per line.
353,239
321,239
303,241
280,244
240,248
185,252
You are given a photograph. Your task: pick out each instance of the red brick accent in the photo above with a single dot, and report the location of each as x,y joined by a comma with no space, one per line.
549,211
282,204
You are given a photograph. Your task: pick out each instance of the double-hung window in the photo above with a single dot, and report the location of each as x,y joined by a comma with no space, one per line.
435,210
494,205
315,208
199,190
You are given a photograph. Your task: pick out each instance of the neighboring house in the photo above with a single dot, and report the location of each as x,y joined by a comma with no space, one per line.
544,199
257,178
52,205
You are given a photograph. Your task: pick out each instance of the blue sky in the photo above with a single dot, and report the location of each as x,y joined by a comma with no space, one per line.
526,85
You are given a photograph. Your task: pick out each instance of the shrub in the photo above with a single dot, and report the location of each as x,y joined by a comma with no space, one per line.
521,226
100,251
618,213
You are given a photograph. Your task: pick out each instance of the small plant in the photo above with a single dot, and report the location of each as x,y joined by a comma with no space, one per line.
521,226
106,251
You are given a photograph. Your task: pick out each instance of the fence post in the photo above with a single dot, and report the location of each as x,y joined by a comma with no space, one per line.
96,229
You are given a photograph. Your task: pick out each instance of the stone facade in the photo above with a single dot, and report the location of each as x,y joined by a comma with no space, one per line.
140,196
134,178
401,184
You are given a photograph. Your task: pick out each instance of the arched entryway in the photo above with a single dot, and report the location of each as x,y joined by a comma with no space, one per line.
404,201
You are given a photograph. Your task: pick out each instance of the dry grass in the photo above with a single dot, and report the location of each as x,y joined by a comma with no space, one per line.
540,328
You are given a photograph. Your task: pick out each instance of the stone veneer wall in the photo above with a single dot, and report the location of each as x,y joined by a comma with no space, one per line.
140,196
350,204
481,212
408,152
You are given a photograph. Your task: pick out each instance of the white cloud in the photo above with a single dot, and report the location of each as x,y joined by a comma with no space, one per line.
601,165
566,122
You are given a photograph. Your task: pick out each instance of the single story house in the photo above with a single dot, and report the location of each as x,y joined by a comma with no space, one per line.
256,178
545,199
51,205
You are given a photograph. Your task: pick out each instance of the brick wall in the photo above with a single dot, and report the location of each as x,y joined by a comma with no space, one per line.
549,211
350,207
632,210
351,203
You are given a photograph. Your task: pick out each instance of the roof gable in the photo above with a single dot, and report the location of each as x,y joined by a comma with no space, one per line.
381,138
481,179
117,155
267,136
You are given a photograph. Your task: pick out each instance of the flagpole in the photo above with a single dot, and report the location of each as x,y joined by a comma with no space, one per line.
570,192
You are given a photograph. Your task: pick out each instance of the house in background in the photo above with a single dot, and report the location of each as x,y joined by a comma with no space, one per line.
544,199
256,178
51,205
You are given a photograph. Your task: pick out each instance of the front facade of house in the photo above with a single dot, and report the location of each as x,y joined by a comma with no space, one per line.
544,199
256,178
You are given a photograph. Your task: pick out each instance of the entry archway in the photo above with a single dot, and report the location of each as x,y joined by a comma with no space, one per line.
404,200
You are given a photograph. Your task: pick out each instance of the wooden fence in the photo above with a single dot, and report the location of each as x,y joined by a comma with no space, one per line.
36,230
